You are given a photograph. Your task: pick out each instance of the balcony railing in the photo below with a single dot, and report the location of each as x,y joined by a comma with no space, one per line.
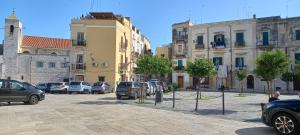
199,46
241,67
78,66
79,42
181,38
267,43
240,44
179,68
123,66
218,44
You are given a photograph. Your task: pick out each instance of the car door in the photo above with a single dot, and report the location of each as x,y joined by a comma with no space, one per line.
4,91
18,91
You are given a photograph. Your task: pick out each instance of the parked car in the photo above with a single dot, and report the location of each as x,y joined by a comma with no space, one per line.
59,87
128,89
101,87
157,85
79,87
283,115
15,91
149,88
44,87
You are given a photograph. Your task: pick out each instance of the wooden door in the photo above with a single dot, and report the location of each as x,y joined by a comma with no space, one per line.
180,81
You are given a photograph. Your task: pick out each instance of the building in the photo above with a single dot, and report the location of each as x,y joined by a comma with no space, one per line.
33,59
165,51
104,48
234,44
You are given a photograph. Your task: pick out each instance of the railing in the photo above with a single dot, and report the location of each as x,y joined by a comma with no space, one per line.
79,42
267,43
78,66
123,66
199,46
181,38
218,44
241,67
179,68
240,44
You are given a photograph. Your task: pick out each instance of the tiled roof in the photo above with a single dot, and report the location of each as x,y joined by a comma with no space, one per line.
45,42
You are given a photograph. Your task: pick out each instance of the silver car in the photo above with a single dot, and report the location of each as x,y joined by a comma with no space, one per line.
101,87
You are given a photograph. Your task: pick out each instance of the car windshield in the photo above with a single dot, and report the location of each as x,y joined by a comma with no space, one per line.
75,83
125,84
28,85
56,84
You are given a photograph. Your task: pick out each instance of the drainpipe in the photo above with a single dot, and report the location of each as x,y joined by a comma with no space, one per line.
208,47
230,42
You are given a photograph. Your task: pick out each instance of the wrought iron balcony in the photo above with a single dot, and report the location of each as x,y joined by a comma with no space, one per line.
218,44
179,68
78,67
240,44
79,42
199,46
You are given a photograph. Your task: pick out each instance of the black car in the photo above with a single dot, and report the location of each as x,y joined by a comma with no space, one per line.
129,89
14,91
283,115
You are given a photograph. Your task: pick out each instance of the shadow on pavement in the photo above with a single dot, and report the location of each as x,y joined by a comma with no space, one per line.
256,131
213,112
101,102
258,120
12,104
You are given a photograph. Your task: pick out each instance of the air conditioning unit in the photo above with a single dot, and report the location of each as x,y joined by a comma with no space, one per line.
95,64
105,64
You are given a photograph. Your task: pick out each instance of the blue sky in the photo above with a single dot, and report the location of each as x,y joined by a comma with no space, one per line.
51,18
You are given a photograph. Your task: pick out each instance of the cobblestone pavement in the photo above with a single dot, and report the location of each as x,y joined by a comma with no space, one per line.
102,114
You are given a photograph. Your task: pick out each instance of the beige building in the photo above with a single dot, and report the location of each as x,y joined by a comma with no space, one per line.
234,44
165,51
102,48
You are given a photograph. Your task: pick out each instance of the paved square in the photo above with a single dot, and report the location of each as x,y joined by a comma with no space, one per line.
102,114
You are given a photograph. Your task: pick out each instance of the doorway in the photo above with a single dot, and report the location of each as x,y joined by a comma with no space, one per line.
180,81
250,82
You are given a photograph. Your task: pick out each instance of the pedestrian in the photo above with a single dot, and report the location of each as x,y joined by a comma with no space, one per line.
275,96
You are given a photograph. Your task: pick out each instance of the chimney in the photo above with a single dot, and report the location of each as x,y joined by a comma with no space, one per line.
254,16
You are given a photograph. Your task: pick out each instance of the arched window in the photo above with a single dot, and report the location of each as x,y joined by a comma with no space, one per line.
26,52
11,29
53,53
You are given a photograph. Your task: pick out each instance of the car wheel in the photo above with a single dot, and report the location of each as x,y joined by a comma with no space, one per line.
285,124
33,100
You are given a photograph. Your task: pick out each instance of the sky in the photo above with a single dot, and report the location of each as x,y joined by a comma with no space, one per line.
51,18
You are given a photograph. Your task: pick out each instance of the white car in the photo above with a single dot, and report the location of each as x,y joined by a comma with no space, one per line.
79,87
149,88
59,87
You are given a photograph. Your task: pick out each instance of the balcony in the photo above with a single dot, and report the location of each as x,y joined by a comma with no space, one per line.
240,67
179,68
218,44
78,67
240,44
266,45
78,42
199,46
181,37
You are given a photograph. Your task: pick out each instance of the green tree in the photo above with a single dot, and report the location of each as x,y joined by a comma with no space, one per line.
200,69
287,77
297,68
241,75
271,64
153,65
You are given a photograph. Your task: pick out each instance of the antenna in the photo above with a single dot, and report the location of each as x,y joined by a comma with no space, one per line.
92,5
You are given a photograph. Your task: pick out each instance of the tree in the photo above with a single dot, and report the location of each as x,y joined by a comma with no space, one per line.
287,77
271,64
297,68
153,65
241,75
200,69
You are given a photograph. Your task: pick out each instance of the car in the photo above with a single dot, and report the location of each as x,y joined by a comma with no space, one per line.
101,87
157,85
79,87
149,88
129,89
59,87
43,86
283,115
15,91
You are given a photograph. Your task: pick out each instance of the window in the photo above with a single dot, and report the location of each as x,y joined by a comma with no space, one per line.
79,58
26,52
265,38
15,86
64,65
297,34
11,29
239,62
180,63
51,65
162,55
101,78
180,49
219,41
199,40
218,61
39,64
80,36
239,37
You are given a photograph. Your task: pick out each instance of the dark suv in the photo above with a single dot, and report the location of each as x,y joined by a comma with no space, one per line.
283,115
129,89
14,91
